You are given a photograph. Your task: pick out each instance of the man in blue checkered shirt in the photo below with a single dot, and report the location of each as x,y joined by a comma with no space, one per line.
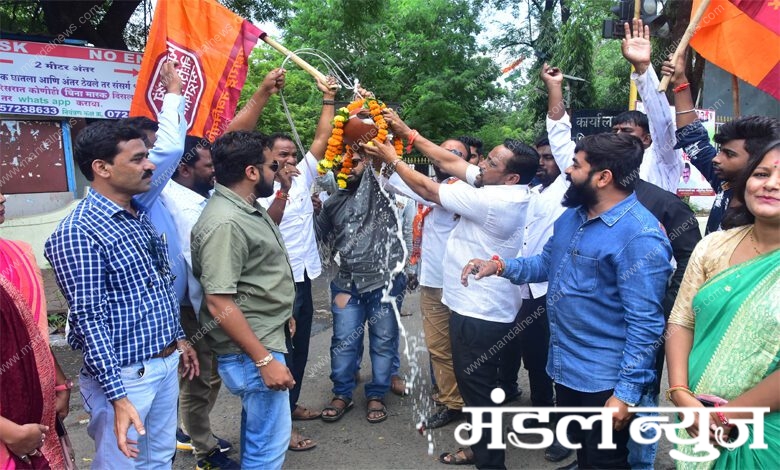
113,267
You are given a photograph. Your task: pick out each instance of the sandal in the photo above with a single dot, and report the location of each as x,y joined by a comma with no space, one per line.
302,413
381,410
452,458
348,404
299,443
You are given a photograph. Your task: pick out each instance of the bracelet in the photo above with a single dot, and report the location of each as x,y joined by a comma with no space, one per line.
328,102
685,112
282,195
67,385
682,87
395,163
264,361
723,420
499,263
412,135
681,388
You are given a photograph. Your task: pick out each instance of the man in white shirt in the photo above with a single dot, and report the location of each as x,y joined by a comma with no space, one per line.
492,217
292,210
662,165
432,226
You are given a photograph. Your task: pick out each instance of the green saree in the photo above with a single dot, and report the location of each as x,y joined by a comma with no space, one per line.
736,345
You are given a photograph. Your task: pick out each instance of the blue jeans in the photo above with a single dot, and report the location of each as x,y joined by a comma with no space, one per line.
398,292
348,326
266,423
152,387
642,456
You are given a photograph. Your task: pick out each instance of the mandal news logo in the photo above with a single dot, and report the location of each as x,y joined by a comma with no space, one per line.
649,425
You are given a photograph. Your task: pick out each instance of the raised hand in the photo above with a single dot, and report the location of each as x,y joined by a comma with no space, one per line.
170,78
329,87
551,76
636,46
273,81
675,70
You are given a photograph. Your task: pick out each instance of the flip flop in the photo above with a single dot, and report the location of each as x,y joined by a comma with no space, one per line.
303,444
339,411
305,414
382,409
468,457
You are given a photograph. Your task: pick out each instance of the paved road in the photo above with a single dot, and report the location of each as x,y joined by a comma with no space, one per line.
351,443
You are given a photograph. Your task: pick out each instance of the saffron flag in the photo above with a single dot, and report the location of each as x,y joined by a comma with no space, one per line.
741,37
211,44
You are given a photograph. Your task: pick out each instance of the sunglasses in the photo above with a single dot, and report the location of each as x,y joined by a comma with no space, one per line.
274,166
456,152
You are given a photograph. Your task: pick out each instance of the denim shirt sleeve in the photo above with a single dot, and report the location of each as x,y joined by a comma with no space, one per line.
643,269
168,148
693,138
533,269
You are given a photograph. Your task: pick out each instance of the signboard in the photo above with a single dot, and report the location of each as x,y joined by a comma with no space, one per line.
592,121
45,79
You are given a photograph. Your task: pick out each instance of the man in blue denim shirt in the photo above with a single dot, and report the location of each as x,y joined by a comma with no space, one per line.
607,265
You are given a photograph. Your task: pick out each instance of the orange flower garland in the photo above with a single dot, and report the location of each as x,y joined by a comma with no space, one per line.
336,156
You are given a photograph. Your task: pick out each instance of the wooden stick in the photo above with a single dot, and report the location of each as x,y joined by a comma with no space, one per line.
735,94
692,27
295,58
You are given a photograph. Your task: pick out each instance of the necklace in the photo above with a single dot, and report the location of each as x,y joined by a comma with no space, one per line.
753,243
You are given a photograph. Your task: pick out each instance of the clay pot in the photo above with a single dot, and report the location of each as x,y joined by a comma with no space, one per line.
359,128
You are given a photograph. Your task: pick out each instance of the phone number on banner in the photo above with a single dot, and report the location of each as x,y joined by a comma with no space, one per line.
29,109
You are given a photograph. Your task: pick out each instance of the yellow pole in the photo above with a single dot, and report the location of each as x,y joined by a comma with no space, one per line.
631,86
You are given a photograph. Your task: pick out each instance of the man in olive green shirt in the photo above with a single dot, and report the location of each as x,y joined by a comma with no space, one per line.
239,256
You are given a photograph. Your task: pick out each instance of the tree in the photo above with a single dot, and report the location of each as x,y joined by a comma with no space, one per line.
103,22
435,74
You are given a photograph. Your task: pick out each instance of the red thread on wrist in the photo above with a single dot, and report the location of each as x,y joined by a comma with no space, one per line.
282,195
410,143
682,87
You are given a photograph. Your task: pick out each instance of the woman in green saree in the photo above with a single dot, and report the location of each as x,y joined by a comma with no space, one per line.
724,330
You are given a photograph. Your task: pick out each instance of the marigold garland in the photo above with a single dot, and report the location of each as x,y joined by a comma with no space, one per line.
339,158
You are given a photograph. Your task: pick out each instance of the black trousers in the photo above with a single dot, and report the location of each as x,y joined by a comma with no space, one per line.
532,346
590,456
476,355
298,346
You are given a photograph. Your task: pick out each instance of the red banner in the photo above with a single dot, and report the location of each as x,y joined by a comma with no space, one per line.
211,44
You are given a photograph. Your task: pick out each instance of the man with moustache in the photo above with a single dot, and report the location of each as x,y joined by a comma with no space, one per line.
432,226
239,257
604,299
107,255
492,216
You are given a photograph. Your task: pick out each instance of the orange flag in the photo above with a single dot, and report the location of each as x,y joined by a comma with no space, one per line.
741,37
211,44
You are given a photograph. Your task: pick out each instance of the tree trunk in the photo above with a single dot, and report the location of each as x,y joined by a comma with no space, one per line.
74,20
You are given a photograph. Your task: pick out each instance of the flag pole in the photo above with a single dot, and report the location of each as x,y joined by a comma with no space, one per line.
683,44
735,95
294,57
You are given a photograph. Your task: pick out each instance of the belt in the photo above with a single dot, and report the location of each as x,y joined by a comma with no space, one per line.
167,350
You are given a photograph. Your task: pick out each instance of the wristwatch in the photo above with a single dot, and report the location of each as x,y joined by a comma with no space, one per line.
65,386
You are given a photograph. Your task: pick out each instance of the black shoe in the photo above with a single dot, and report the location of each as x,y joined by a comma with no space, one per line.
571,466
557,452
442,417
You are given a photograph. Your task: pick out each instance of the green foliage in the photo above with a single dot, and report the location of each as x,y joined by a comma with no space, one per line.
419,55
57,321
